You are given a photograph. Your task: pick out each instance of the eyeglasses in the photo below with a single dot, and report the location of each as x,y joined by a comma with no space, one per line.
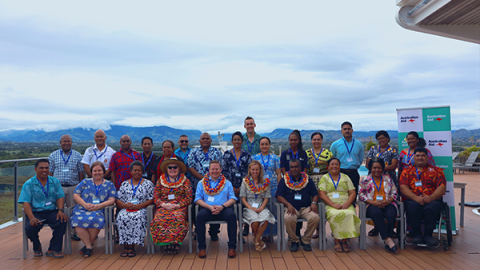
172,167
183,141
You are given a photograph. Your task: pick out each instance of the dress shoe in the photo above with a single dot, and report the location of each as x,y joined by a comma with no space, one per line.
391,249
232,253
202,253
431,241
294,246
306,247
246,230
417,239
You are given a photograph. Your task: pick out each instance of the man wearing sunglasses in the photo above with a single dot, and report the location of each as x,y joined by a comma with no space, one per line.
183,151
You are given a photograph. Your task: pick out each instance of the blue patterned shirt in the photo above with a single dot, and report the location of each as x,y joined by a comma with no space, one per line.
233,172
198,160
32,193
65,167
269,163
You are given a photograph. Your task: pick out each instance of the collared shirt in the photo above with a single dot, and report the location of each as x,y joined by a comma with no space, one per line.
197,158
254,147
219,199
233,172
32,193
93,154
120,163
149,166
431,177
318,161
65,167
287,155
307,193
349,161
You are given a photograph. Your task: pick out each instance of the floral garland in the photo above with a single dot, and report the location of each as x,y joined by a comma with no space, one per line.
256,190
178,182
294,185
213,191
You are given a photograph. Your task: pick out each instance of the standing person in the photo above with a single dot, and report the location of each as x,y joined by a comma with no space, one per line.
167,148
406,156
66,165
183,151
99,152
148,157
120,163
387,153
235,162
251,140
43,200
350,153
294,152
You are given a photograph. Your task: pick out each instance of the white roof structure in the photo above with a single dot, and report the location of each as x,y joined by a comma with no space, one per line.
457,19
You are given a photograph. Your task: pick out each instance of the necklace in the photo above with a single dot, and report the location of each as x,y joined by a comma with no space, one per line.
172,184
256,190
296,185
212,191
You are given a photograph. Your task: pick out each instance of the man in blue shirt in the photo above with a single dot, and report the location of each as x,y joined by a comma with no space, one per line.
183,151
350,153
215,195
43,199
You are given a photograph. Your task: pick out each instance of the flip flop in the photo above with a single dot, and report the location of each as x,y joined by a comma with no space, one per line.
55,254
132,252
338,246
37,253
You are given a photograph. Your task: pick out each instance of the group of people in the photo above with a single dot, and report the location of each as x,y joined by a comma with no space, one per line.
248,173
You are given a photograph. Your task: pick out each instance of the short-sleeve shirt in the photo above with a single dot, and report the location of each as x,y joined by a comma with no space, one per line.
120,163
307,193
431,177
317,164
251,147
344,185
93,154
388,155
200,161
88,192
65,167
269,163
219,199
234,171
149,163
288,155
351,157
32,193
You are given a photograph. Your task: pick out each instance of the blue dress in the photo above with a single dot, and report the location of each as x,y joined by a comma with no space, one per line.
91,219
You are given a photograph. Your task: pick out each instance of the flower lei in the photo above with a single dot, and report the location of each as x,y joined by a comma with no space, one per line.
256,190
178,182
213,191
293,185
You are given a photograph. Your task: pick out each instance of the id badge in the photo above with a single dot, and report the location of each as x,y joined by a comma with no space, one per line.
171,196
134,201
316,170
65,170
418,183
210,199
48,203
205,165
335,195
238,174
96,201
298,197
349,159
255,205
379,198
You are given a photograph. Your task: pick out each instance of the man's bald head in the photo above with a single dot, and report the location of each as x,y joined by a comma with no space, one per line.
100,137
205,140
125,142
66,143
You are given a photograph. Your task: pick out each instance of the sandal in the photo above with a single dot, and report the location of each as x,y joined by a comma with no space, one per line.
175,249
338,246
345,246
132,252
373,232
82,250
125,251
55,254
258,246
38,253
88,252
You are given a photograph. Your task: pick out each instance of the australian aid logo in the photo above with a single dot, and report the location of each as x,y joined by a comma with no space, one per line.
439,143
436,117
408,119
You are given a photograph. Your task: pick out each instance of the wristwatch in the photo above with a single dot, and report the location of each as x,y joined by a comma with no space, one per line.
61,209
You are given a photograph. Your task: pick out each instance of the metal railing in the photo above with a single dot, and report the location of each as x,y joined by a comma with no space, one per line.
15,181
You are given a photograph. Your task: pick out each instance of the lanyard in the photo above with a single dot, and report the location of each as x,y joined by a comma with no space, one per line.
250,145
265,165
101,153
135,189
408,156
380,186
206,155
47,185
132,157
380,151
97,188
346,145
61,153
419,177
294,156
143,160
338,181
237,161
317,157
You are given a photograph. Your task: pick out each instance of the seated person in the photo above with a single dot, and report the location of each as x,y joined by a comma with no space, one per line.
216,196
43,199
299,195
423,186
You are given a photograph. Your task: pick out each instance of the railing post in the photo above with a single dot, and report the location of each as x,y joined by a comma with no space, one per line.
15,191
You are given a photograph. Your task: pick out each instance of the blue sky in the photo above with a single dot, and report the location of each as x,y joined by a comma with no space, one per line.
207,64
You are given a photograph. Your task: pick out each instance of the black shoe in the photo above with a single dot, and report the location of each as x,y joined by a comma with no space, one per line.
417,239
246,230
294,246
214,237
306,247
75,237
391,249
431,241
244,240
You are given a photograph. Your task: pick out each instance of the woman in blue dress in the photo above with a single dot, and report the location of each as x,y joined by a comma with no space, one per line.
92,195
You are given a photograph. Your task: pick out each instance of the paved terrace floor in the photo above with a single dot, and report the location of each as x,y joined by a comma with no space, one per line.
463,254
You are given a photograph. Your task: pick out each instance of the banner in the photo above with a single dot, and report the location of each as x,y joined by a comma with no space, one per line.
435,126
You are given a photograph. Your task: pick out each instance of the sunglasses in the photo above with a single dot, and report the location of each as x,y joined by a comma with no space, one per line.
183,141
172,167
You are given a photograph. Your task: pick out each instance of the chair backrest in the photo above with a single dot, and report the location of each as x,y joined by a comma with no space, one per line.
454,155
471,159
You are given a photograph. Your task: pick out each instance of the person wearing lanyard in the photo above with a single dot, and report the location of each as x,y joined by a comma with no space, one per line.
296,191
120,162
99,152
167,148
336,190
43,200
172,196
251,140
133,198
350,152
423,187
183,151
215,196
66,165
379,191
294,152
92,195
406,155
148,157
